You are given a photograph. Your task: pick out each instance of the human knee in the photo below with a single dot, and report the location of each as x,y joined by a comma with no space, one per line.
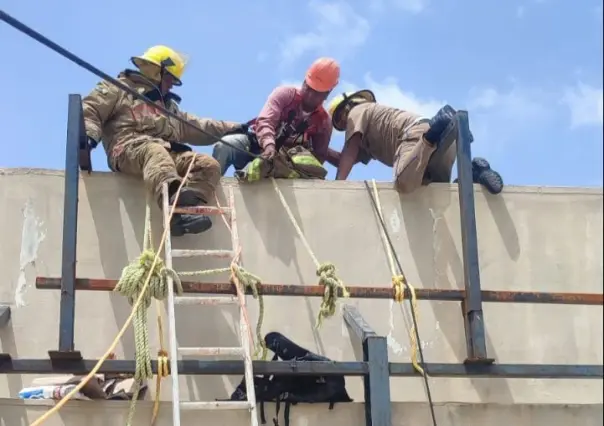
228,143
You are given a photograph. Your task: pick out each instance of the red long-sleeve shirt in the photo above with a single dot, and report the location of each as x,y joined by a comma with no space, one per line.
276,111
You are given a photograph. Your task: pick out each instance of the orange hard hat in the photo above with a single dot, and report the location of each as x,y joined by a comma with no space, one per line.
323,75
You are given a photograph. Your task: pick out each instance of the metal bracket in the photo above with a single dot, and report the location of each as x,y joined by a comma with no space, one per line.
63,356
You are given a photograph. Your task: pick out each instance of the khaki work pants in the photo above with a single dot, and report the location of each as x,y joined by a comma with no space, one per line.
413,162
150,160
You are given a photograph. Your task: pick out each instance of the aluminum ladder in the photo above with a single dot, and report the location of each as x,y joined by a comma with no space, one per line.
243,351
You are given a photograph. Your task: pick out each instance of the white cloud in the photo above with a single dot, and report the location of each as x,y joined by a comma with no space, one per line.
585,104
517,104
411,6
339,30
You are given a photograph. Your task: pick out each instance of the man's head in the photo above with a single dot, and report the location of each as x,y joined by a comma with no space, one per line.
341,106
162,65
322,76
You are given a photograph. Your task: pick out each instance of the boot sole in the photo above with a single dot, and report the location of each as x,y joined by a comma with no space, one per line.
485,176
196,227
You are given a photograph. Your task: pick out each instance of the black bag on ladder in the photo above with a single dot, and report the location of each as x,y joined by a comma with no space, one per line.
292,390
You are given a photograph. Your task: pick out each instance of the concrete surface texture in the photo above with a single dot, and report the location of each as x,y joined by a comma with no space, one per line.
531,239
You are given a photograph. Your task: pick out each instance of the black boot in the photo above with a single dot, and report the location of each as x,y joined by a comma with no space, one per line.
487,177
438,125
182,224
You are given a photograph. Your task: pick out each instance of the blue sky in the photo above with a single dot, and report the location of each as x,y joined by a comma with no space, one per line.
528,71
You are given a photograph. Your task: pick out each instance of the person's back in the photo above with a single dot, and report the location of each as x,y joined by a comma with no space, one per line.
382,128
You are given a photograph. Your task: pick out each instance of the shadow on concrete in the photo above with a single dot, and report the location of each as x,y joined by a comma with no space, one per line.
279,241
110,232
432,239
501,214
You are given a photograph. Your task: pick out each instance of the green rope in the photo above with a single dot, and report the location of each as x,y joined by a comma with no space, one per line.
328,278
251,281
130,284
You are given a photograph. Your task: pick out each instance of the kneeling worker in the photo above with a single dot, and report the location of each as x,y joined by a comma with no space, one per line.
414,146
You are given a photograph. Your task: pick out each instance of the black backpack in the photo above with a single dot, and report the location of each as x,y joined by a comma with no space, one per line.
293,389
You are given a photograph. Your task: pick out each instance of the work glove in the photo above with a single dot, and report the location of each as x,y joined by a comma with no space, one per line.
91,142
179,147
269,151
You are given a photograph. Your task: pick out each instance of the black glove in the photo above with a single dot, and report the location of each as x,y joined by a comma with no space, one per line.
91,142
179,147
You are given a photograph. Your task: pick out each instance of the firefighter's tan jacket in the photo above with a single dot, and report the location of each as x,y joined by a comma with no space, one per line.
116,117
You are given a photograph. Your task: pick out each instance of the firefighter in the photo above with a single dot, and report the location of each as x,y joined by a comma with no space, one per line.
290,117
415,147
141,141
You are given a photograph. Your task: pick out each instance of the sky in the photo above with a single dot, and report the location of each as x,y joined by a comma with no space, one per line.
528,71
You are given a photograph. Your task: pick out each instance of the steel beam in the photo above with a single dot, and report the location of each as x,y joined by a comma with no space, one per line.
10,365
384,292
473,313
70,230
377,382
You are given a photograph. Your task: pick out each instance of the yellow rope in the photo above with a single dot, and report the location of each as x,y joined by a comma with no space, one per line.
141,296
326,271
399,283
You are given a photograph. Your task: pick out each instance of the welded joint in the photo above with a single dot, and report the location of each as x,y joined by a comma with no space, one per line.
5,315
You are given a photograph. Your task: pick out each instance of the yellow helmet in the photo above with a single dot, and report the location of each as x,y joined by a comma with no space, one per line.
342,100
163,56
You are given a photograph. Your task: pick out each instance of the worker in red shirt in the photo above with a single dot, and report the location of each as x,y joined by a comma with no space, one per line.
291,116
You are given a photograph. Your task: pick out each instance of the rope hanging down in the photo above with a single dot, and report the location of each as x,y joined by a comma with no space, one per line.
326,271
130,285
398,282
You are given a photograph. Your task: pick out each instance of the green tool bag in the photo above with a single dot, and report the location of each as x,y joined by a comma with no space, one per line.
289,163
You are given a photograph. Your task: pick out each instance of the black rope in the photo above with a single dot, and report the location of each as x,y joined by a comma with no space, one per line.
415,324
79,61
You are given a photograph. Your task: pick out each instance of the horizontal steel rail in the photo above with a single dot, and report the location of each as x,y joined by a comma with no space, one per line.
195,367
385,292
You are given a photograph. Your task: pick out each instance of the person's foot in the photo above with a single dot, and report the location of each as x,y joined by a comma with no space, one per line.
487,177
182,224
438,125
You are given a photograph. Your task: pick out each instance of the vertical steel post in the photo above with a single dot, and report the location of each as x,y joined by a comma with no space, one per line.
75,136
377,381
472,305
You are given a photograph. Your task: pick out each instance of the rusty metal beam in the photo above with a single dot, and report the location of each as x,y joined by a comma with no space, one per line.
593,299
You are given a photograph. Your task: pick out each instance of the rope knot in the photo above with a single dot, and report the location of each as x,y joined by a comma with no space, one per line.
328,278
399,282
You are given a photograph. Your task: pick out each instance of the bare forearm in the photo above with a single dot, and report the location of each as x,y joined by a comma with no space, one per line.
333,157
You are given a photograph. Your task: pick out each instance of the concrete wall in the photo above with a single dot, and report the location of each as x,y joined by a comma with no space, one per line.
542,239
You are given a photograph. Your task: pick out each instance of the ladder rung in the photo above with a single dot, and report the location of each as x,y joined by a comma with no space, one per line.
211,351
194,253
215,405
208,210
200,300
